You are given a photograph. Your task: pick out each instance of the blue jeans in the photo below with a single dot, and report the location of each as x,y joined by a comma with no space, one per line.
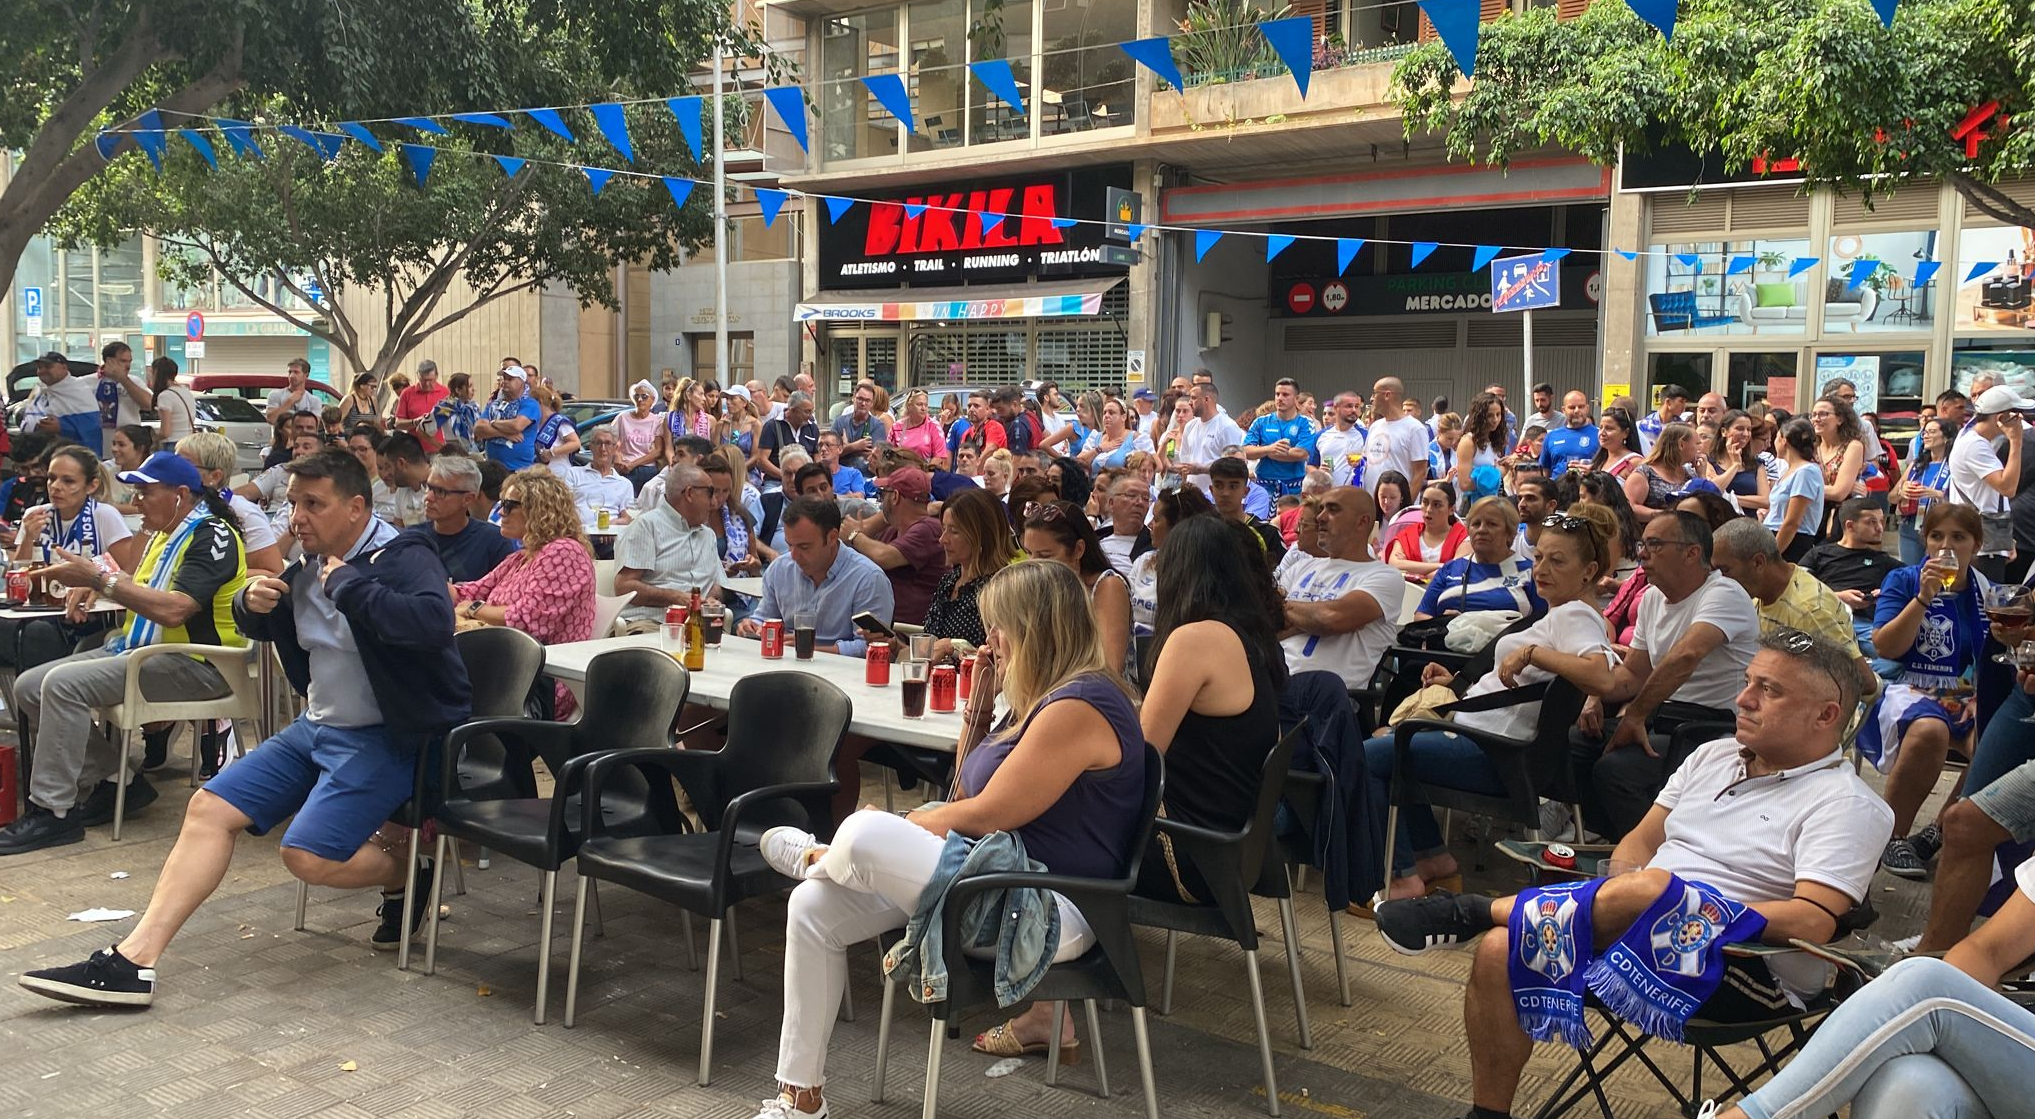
1882,667
1923,1041
1911,540
1439,758
2005,744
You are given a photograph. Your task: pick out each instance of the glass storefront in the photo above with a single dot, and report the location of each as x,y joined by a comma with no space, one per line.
89,297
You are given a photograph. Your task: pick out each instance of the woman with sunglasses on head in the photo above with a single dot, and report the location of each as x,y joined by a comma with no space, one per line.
546,589
1570,641
1058,532
1419,550
638,453
1668,467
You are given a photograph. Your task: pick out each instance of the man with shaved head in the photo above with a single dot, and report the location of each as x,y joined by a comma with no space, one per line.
1397,441
1342,606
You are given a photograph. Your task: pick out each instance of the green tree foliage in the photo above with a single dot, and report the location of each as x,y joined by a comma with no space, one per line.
1864,107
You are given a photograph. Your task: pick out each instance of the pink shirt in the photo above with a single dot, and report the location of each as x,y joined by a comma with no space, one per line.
637,436
926,439
549,595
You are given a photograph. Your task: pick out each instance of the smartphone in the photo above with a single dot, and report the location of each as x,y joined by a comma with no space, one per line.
867,621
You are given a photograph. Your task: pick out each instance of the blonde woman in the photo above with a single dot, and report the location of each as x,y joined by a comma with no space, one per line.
546,589
919,432
1168,444
740,428
998,468
688,415
216,459
1064,774
1666,469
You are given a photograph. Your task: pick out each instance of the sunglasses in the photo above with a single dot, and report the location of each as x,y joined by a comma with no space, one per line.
1045,512
1562,522
509,504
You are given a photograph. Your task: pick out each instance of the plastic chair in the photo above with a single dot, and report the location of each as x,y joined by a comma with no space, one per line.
604,577
632,696
606,609
1234,864
1109,970
135,710
777,768
1302,796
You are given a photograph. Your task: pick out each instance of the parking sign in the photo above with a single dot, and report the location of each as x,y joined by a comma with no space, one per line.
31,309
1525,283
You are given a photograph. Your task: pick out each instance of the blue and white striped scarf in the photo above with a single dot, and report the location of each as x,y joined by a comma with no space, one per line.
140,631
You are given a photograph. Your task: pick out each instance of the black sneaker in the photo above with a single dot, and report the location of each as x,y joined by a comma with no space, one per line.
155,749
1414,925
1900,858
388,936
97,809
107,979
211,747
1927,842
39,828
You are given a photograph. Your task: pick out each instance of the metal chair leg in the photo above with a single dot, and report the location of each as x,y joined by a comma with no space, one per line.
734,948
713,985
437,896
547,897
1391,845
1291,926
572,960
600,926
1145,1078
409,897
931,1108
883,1041
692,956
1264,1033
1166,984
1053,1044
1300,878
1342,969
1095,1047
303,899
197,739
458,873
120,794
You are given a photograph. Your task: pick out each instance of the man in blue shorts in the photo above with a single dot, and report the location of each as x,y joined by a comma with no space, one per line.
1282,443
363,626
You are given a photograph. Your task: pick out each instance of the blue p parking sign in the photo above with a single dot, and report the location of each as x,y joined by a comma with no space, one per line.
1525,283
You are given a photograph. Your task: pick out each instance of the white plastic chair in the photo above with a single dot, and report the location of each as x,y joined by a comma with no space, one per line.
604,576
606,609
241,704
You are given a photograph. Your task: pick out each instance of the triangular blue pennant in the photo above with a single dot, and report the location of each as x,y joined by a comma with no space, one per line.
326,144
198,141
1204,240
1346,251
1156,54
1690,261
1861,271
1065,223
1293,41
686,111
1980,269
108,144
239,136
889,91
680,189
1456,22
150,136
510,164
1482,257
1422,250
1627,255
1740,263
913,210
790,103
1660,13
1802,264
1553,256
597,177
1885,8
1925,272
422,124
772,201
985,222
553,123
614,124
838,207
421,157
995,76
1276,243
1135,230
360,132
492,120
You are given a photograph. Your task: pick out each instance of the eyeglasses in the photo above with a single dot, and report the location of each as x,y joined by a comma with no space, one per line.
1655,544
509,504
441,491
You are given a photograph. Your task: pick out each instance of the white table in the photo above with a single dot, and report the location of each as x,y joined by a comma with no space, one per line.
751,585
103,606
878,712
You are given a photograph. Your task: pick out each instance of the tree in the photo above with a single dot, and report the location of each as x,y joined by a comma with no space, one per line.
1863,107
316,228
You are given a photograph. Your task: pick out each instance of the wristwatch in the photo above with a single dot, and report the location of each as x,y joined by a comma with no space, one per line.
107,584
473,608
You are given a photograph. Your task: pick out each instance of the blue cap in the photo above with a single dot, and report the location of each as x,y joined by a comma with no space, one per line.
1695,486
166,468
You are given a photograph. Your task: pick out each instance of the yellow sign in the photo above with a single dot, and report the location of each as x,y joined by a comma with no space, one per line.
1614,390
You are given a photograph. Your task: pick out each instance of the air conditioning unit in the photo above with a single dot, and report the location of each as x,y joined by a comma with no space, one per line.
1215,330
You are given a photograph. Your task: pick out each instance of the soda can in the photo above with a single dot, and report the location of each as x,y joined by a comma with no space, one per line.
946,683
674,615
773,639
876,665
967,672
602,519
17,584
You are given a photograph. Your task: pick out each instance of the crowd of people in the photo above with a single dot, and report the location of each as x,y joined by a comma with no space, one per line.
1715,586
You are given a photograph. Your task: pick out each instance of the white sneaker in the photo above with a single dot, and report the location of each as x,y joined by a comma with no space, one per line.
1710,1110
1556,824
782,1107
788,850
1906,944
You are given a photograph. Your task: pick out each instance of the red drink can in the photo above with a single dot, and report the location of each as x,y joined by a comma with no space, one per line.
967,672
876,665
946,683
17,585
674,615
773,639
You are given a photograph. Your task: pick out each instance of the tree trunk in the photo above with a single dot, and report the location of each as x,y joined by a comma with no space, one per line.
1993,202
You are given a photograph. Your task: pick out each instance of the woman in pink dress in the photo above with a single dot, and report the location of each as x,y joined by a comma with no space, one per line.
919,432
546,589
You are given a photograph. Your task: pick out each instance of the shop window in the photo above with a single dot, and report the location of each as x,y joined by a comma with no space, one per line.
1750,378
2004,298
2004,364
1889,387
1000,29
1885,299
1691,371
1685,300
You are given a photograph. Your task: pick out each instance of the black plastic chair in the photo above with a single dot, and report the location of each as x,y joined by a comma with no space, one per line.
1234,865
1303,795
1109,970
777,768
501,665
632,696
1529,769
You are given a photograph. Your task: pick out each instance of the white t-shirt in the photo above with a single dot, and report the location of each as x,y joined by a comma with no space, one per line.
273,484
1118,548
306,403
2024,877
1202,441
256,532
1394,445
1144,581
1352,656
1335,447
1971,459
108,528
593,490
1574,628
1754,838
175,408
1719,677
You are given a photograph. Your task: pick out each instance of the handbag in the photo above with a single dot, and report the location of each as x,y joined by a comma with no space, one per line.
1998,537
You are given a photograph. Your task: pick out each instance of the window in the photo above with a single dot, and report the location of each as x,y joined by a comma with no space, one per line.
853,124
1889,386
2007,365
1885,299
2002,299
1753,377
1085,81
1691,371
741,357
1000,29
1689,294
938,78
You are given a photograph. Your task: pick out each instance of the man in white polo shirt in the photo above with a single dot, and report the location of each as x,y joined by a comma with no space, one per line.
669,550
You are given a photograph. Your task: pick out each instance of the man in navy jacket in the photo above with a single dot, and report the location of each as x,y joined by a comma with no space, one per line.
363,626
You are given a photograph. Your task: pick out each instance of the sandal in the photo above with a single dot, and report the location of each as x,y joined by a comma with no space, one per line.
1002,1041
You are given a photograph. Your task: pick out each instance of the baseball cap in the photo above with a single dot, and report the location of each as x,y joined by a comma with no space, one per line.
1999,399
738,390
1144,394
517,372
908,482
166,468
1694,486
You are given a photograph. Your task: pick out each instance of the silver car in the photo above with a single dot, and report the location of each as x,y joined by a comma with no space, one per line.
240,421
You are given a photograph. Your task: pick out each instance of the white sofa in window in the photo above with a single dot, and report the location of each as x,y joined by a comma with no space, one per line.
1856,308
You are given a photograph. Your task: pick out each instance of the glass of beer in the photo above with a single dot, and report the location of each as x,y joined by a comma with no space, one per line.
716,614
915,676
1944,557
804,633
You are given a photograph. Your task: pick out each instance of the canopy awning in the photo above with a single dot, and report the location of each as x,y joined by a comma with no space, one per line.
1052,299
